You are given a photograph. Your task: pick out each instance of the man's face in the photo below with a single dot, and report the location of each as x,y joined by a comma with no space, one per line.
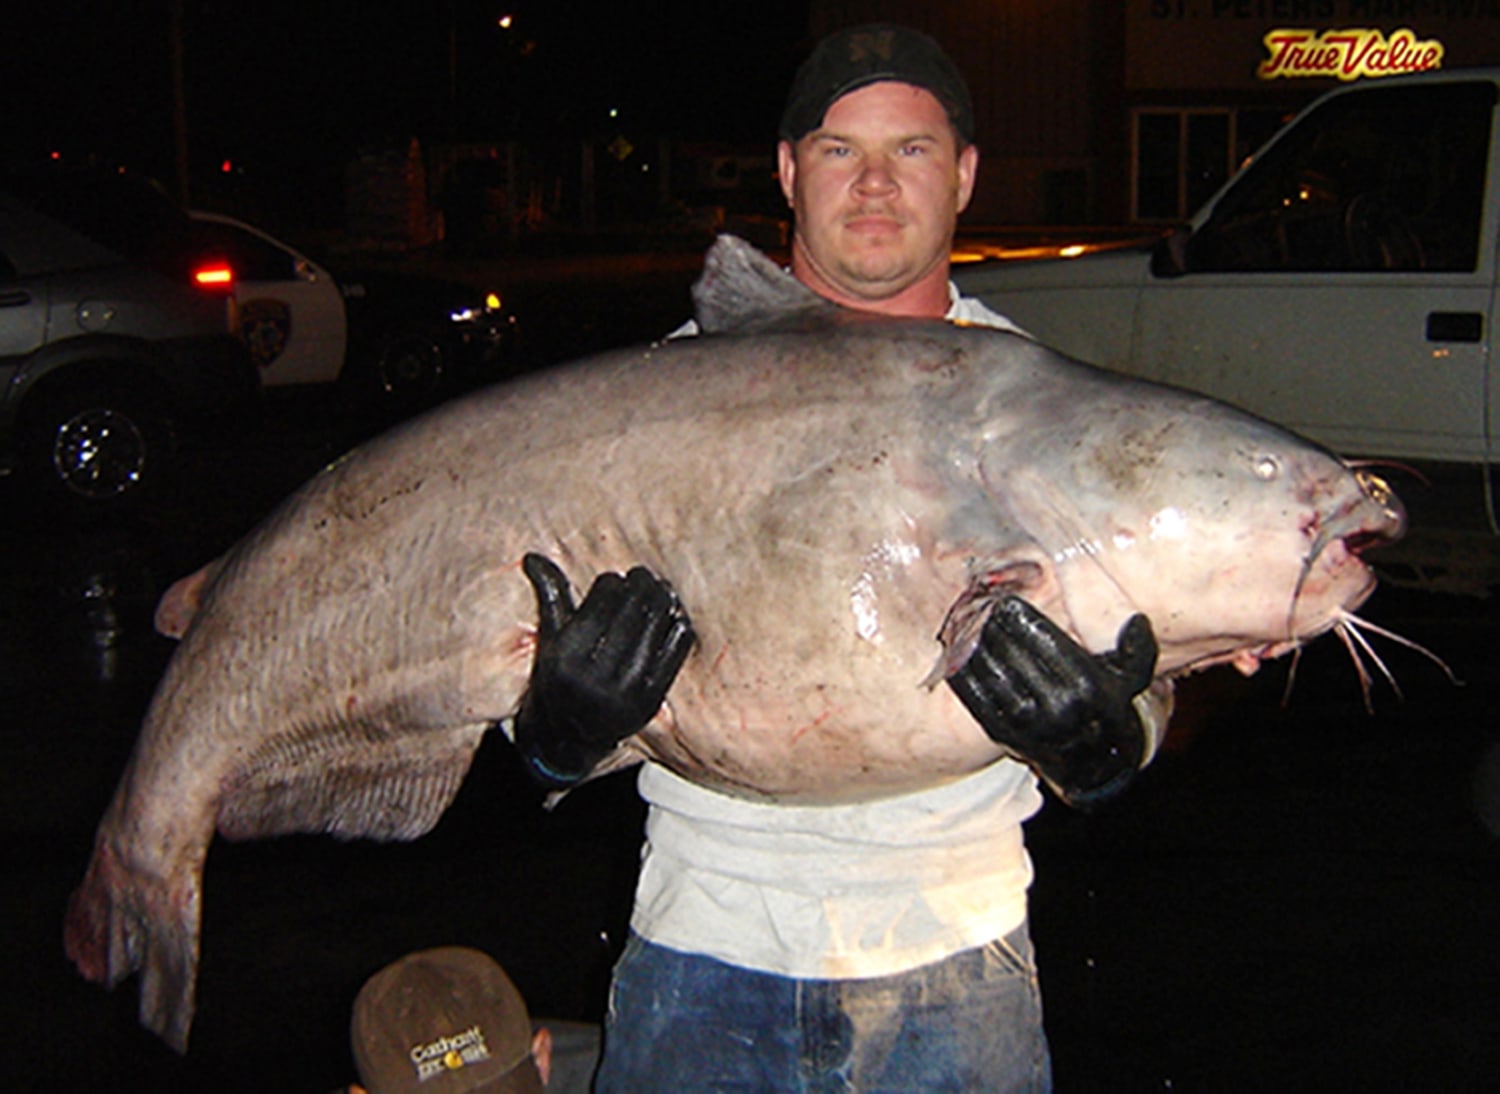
876,191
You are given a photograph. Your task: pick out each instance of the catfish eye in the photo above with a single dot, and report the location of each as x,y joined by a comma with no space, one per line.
1266,468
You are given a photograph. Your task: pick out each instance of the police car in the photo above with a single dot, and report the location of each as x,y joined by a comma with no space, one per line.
392,339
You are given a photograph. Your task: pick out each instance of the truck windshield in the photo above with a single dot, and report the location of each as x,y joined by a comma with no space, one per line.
1387,179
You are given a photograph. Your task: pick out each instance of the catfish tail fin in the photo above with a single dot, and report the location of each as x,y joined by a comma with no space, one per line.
121,921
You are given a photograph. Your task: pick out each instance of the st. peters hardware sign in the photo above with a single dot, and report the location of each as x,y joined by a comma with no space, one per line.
1346,54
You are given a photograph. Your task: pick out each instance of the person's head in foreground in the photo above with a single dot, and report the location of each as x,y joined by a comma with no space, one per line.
446,1021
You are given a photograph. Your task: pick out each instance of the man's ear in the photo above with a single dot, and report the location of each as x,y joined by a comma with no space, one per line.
541,1053
968,170
786,170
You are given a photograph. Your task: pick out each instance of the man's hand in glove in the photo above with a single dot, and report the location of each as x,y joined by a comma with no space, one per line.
1066,712
601,669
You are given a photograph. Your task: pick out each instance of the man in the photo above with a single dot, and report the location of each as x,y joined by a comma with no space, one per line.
881,945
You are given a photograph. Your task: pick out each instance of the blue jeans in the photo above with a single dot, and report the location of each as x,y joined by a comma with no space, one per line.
683,1022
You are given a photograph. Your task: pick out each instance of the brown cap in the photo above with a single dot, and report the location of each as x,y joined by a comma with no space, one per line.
856,57
443,1021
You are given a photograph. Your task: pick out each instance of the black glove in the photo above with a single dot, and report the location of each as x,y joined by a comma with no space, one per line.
601,670
1058,707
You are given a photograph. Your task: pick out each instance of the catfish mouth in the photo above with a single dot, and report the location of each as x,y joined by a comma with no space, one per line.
1362,529
1332,580
1371,518
1334,569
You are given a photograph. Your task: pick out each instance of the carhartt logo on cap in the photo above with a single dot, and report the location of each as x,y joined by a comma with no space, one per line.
449,1053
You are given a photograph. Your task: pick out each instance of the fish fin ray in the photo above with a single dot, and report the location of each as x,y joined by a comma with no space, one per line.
742,290
959,633
395,789
179,605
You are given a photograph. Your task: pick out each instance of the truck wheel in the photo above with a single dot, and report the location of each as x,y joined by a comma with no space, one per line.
95,448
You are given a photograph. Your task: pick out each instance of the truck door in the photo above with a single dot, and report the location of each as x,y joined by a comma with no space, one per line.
1341,284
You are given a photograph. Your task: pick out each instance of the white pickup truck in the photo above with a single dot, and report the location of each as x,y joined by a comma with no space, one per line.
1343,284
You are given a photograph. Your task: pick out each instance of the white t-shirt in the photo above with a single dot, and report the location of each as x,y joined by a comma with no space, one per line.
966,309
847,891
842,891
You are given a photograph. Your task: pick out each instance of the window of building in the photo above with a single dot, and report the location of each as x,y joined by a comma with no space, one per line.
1181,157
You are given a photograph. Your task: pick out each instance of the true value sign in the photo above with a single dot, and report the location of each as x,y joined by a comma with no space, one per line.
1346,54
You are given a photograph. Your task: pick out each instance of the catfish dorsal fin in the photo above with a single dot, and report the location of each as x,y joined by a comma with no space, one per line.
741,290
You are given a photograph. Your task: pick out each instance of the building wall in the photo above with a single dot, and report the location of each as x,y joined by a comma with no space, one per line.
1059,85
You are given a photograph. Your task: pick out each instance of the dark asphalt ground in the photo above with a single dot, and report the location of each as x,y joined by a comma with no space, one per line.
1296,897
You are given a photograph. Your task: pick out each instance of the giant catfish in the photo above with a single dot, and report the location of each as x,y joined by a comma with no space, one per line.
836,497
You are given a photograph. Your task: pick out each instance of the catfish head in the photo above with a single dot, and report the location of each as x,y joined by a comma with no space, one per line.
1237,539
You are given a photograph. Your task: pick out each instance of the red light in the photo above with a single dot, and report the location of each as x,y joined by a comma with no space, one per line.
214,275
226,167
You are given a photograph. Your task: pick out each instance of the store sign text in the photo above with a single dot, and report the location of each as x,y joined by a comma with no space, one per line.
1346,54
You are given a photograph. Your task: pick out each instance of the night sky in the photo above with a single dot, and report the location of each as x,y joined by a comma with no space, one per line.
289,89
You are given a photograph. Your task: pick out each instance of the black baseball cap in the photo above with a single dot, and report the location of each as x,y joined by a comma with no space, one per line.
855,57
